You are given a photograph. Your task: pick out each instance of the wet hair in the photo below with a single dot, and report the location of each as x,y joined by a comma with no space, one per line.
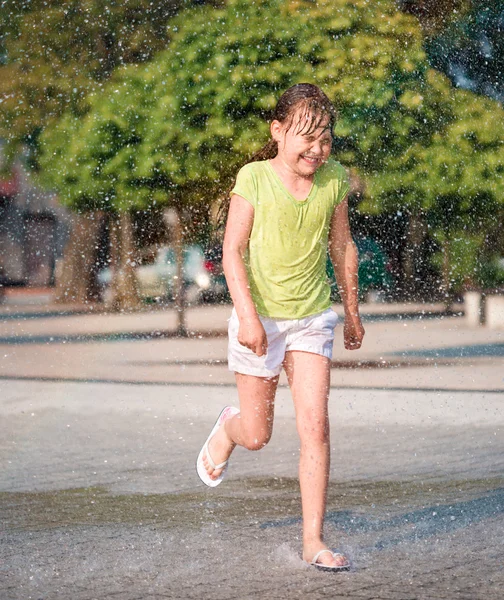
313,107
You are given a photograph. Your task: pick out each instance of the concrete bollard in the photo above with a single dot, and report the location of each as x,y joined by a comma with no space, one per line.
494,312
473,308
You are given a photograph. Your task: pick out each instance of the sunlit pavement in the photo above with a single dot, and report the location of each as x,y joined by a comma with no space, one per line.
100,499
406,346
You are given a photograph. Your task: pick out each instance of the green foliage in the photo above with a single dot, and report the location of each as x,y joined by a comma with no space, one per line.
92,160
464,159
176,129
53,54
232,64
464,260
455,182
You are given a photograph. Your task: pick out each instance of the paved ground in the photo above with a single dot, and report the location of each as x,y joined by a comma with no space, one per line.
407,346
101,424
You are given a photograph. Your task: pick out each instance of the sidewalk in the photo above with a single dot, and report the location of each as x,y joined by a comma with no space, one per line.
21,296
23,301
406,346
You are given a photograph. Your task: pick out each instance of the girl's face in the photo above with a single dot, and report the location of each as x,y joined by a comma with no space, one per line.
301,147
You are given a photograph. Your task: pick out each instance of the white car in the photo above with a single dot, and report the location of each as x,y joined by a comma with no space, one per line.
156,276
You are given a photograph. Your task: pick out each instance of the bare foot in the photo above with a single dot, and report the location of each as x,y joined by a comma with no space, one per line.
327,558
220,448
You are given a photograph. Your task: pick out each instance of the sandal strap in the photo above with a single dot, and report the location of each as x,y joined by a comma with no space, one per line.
210,460
319,554
338,554
333,554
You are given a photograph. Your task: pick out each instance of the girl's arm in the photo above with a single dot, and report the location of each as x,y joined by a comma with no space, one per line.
240,219
345,260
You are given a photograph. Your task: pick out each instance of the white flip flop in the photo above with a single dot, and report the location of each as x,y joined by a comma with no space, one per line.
322,567
225,414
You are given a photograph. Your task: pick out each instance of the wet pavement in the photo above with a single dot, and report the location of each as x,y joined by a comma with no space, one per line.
99,497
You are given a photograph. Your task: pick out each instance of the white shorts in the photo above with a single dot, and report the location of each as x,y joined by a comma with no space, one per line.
313,334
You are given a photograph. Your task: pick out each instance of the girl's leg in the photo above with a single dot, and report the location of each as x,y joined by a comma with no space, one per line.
309,376
252,427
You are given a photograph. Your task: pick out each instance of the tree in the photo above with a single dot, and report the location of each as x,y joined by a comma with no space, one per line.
91,161
53,54
231,64
400,120
95,162
181,143
455,184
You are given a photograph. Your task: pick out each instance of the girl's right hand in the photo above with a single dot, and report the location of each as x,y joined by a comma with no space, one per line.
251,334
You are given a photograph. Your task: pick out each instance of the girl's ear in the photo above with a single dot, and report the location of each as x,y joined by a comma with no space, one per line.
276,130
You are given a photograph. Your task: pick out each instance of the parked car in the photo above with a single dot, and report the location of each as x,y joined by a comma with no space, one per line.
375,279
491,274
218,292
157,270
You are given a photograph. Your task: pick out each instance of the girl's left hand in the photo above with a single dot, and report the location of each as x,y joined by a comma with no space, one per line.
353,332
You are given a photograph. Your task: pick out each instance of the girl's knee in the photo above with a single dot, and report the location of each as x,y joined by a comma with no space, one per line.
256,442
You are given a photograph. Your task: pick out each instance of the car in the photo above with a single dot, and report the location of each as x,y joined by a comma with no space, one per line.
157,271
218,291
375,279
491,273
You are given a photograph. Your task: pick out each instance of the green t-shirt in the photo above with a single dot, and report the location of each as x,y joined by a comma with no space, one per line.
286,258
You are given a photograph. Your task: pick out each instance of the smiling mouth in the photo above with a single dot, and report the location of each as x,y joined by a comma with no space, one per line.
311,159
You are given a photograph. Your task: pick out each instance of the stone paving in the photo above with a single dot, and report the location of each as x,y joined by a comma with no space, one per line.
406,346
99,498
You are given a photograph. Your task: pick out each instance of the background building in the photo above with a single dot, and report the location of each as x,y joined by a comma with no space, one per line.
33,229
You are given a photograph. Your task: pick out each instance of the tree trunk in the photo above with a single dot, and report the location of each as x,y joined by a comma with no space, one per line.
172,218
447,294
408,266
75,271
125,294
416,235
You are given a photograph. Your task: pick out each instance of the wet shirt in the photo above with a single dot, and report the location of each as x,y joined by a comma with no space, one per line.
286,257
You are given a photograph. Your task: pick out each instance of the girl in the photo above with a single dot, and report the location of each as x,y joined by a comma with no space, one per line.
287,207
